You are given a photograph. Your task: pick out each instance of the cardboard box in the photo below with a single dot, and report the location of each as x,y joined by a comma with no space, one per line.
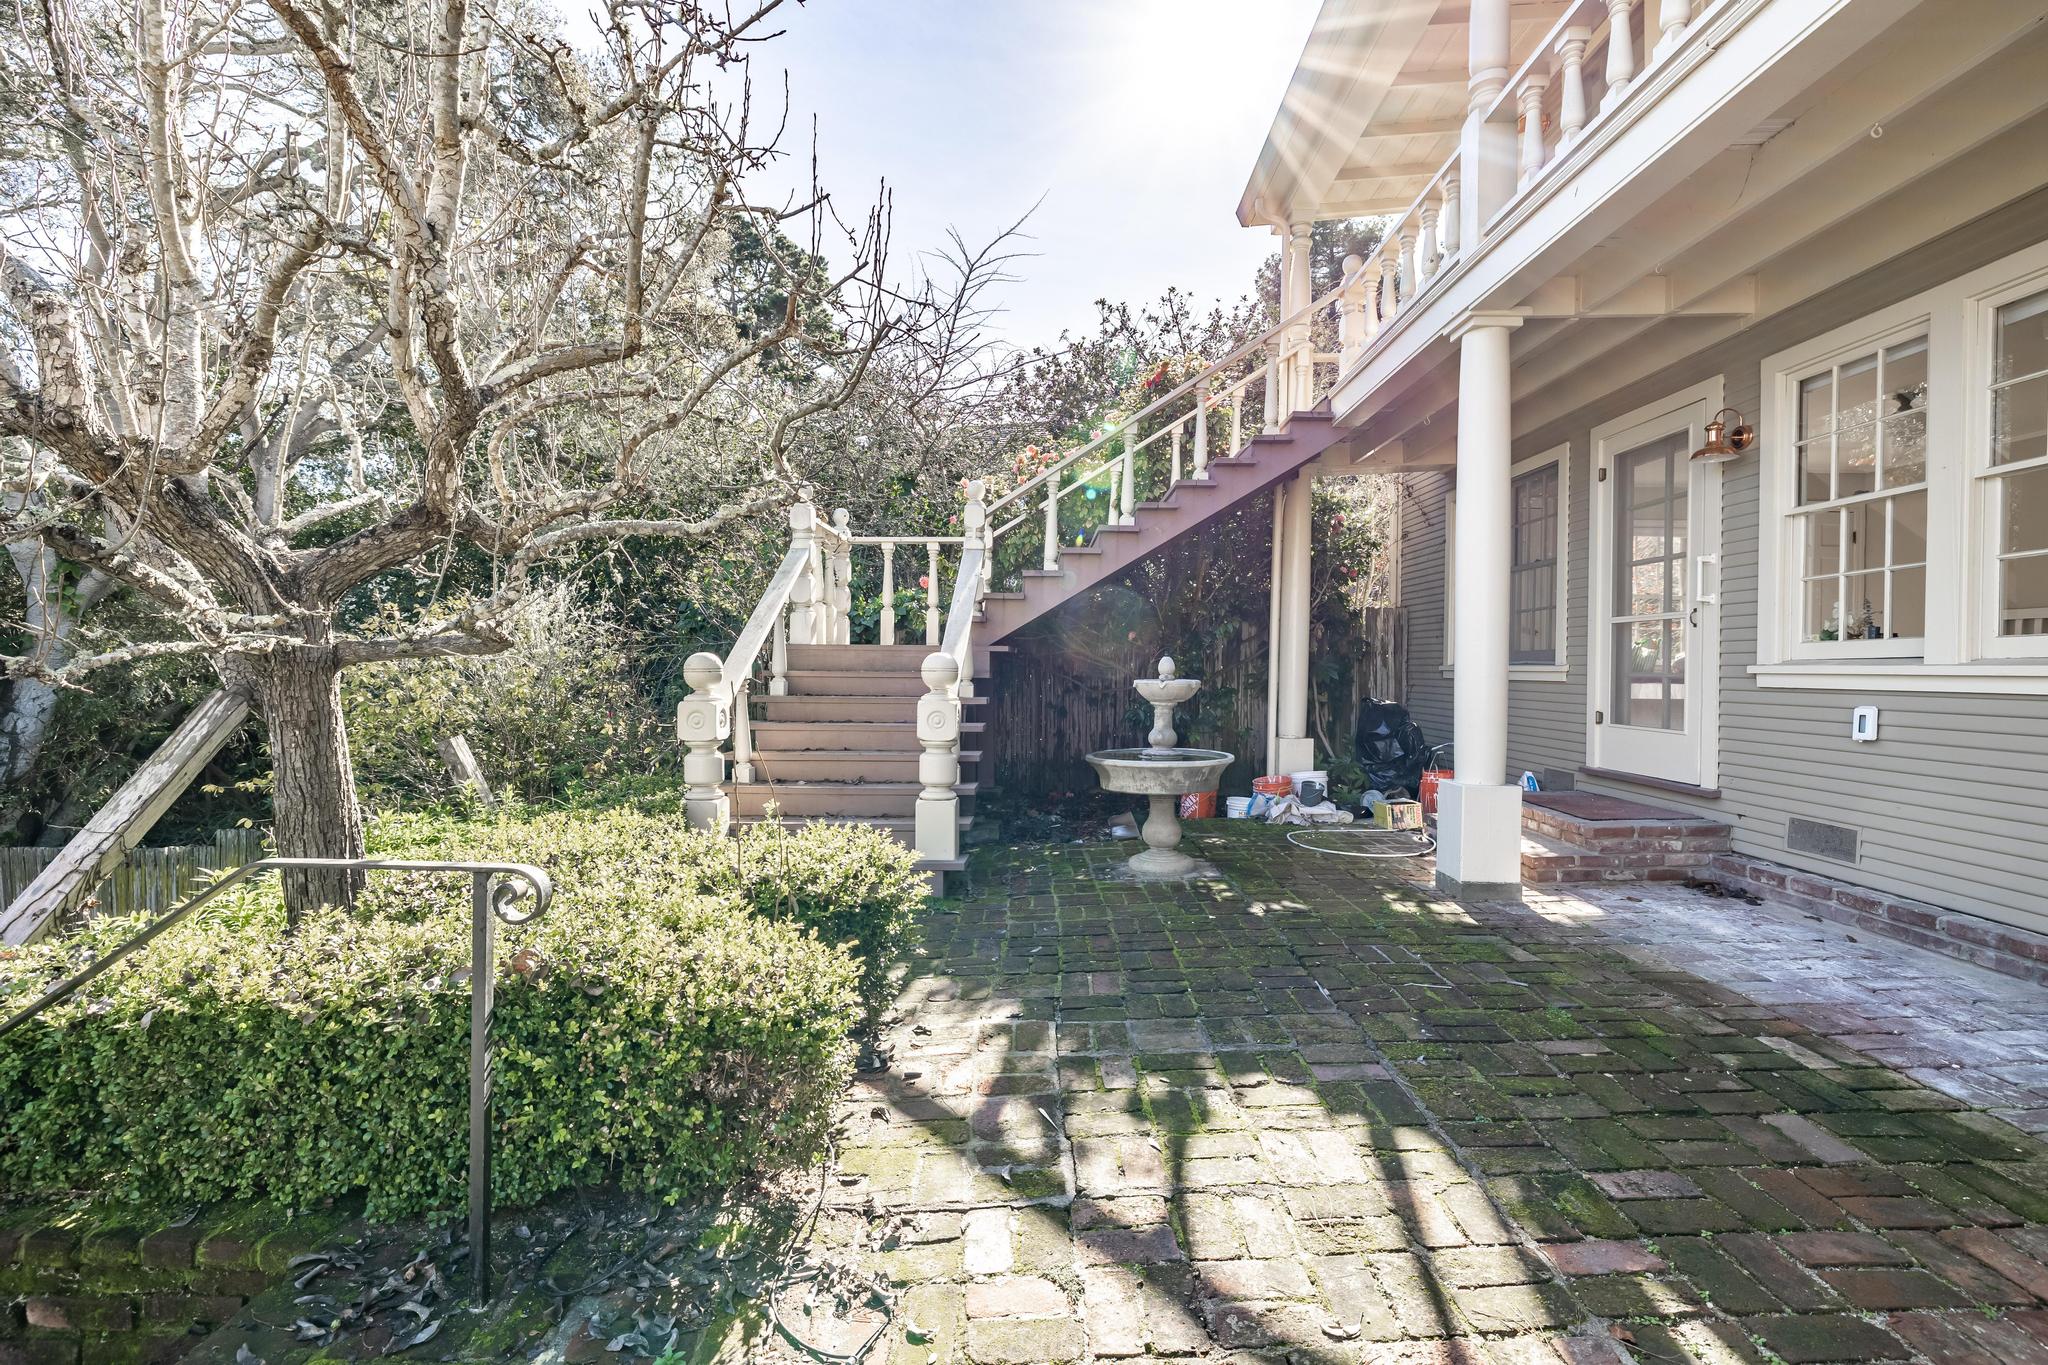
1397,815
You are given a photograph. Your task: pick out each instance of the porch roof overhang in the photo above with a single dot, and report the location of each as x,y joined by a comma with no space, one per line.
1745,181
1374,108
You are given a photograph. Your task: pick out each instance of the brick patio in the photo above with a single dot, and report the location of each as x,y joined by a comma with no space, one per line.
1307,1111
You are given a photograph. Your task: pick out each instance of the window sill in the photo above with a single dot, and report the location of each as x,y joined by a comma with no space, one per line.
1525,672
2007,679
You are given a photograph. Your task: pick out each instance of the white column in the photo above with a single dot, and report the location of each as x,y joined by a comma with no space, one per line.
1486,154
1571,74
1479,816
1293,750
1273,651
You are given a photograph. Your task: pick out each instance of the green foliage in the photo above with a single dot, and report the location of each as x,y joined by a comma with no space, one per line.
679,1017
553,713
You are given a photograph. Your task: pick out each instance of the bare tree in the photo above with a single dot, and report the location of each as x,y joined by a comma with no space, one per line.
302,299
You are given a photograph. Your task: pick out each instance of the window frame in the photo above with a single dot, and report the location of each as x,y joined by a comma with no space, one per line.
1961,650
1559,669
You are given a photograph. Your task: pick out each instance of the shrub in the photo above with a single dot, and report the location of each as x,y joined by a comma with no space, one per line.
556,709
660,1030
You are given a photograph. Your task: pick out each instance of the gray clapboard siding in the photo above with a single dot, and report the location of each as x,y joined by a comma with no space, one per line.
1951,804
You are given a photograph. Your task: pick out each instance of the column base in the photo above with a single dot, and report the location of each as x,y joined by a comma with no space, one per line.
1293,755
1479,841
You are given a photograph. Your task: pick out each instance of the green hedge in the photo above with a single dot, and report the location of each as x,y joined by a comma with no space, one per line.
663,1031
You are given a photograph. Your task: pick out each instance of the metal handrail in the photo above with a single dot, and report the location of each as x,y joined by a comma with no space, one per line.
491,901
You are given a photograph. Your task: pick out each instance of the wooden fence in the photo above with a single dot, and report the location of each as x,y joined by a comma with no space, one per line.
148,879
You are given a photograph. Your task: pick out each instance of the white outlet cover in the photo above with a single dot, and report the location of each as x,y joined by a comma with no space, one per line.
1863,724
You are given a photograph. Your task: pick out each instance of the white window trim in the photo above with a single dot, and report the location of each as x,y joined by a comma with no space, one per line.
1961,650
1561,456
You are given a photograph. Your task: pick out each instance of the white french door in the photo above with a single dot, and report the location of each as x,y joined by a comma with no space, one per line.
1656,593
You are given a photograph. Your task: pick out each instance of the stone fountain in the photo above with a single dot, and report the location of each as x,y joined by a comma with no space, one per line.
1162,773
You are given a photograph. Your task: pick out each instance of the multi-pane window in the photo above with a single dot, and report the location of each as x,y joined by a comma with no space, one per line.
1861,470
2019,464
1532,620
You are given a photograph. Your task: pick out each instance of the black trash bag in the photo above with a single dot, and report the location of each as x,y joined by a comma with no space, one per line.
1391,748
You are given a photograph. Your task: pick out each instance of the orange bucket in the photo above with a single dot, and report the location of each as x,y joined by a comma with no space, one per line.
1281,785
1427,795
1198,806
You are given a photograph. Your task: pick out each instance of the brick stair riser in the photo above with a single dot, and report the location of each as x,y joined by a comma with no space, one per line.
1645,867
1632,838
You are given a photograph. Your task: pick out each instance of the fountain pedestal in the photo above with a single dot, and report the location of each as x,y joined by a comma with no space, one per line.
1162,773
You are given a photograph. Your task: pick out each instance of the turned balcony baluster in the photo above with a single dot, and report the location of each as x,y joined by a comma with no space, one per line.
1621,52
886,629
1451,228
1530,98
1571,74
842,579
1672,17
1426,264
932,623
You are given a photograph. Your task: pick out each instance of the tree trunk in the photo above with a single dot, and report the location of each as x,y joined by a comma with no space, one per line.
298,688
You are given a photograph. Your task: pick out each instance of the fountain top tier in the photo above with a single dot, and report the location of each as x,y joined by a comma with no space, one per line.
1164,692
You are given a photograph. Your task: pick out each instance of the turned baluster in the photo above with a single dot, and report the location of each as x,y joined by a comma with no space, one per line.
842,579
887,629
778,658
1052,521
1672,17
1351,313
742,733
1202,431
1530,97
1405,238
1370,284
1451,229
1621,51
1174,476
932,621
1425,263
1571,75
1129,476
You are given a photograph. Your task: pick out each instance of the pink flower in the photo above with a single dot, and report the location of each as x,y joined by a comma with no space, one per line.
924,580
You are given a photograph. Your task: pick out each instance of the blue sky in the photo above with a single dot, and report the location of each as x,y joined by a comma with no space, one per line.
1136,120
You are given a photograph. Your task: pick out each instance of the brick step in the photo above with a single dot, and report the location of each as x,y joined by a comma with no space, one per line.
897,736
858,801
838,708
1622,828
851,765
1552,861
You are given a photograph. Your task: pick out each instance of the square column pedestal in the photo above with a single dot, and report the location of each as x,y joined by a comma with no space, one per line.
1479,841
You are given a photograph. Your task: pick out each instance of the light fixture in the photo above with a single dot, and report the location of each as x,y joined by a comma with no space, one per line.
1723,444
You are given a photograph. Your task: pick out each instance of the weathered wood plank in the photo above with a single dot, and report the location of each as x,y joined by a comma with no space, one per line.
117,827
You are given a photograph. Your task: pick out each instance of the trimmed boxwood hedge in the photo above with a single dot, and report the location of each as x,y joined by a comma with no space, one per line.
678,1018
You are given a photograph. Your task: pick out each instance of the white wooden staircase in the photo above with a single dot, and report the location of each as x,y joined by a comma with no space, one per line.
888,733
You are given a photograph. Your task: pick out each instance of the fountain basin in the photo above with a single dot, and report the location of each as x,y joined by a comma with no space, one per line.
1162,776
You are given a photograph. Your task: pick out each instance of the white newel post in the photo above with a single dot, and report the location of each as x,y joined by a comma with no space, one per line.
1479,814
1486,150
703,720
842,579
1621,52
1530,99
1293,750
805,613
938,766
887,628
1201,431
1351,313
1571,93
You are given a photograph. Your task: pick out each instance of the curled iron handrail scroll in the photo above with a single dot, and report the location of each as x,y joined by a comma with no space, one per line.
539,886
499,894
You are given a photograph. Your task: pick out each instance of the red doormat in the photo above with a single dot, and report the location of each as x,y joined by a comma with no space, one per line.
1593,806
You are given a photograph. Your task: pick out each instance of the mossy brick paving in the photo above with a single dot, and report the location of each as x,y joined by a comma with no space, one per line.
1307,1110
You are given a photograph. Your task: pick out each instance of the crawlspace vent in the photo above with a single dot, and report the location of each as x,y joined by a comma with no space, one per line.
1820,839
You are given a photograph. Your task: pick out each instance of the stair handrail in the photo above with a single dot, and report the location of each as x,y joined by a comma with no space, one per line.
494,898
1187,386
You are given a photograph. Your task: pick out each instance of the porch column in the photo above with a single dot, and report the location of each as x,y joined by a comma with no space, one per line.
1293,750
1479,815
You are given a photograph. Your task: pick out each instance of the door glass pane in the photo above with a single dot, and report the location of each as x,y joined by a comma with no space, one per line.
2022,338
1640,673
